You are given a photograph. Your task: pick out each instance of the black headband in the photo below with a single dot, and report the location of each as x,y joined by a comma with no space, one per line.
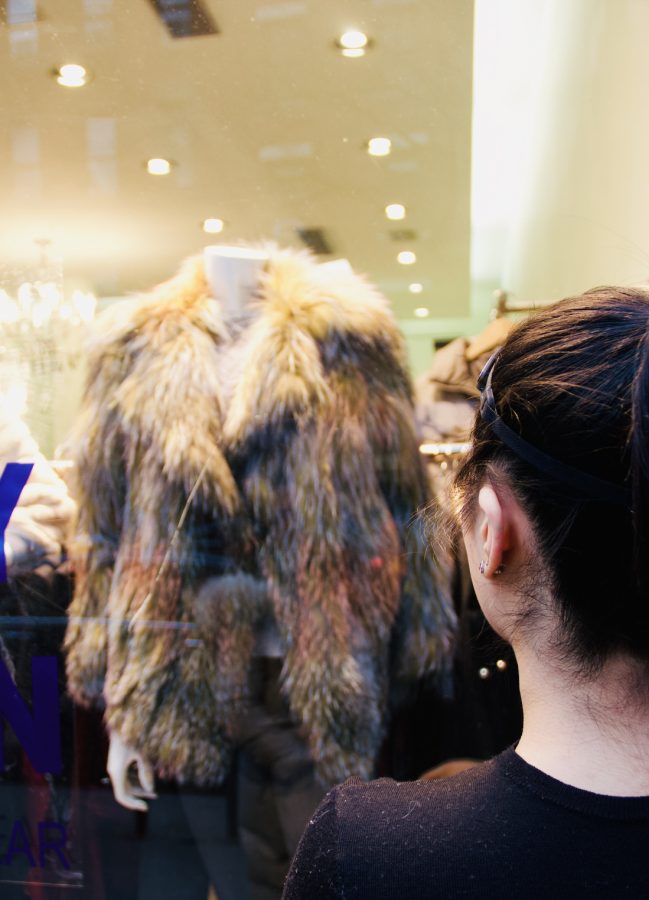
594,487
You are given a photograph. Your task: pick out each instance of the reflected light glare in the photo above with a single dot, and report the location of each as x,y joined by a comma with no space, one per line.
25,297
158,166
407,258
84,304
9,311
42,303
421,312
353,54
15,398
416,288
395,211
213,226
353,40
72,75
379,146
40,313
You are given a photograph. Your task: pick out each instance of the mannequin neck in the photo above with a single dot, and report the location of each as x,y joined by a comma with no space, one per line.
234,275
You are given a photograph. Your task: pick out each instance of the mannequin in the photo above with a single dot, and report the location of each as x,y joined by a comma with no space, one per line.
233,274
247,456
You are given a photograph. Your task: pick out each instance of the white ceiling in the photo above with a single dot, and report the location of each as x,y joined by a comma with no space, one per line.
266,122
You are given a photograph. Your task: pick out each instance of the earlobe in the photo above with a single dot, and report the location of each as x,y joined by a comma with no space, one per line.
494,532
483,568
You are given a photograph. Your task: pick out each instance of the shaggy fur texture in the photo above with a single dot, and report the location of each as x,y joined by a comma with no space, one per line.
197,520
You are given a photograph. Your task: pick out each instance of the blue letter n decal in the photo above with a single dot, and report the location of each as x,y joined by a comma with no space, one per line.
37,730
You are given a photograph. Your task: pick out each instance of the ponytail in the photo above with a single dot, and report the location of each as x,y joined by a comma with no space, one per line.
639,465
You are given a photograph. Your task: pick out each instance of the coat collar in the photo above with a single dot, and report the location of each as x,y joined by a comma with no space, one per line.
301,305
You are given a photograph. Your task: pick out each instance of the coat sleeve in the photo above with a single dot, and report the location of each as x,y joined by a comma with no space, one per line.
97,450
425,622
425,625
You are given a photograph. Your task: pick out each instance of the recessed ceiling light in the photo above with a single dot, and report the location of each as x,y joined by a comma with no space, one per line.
353,44
213,226
158,166
353,40
407,258
422,312
71,75
415,288
395,211
379,146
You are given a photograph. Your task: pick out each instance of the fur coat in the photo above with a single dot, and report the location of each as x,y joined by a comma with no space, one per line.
203,513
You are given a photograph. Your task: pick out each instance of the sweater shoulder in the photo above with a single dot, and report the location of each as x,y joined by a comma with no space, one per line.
444,816
396,805
418,838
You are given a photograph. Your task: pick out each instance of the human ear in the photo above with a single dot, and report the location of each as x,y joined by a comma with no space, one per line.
495,531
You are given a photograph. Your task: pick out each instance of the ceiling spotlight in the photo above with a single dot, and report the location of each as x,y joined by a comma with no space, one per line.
415,288
71,75
353,40
379,146
395,211
422,312
213,226
158,166
407,258
353,44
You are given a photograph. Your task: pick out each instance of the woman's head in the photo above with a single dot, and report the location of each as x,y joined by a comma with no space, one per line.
573,382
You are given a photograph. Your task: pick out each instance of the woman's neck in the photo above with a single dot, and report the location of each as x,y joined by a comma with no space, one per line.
592,734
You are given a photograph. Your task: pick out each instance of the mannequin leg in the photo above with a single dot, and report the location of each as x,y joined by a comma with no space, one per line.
260,832
277,790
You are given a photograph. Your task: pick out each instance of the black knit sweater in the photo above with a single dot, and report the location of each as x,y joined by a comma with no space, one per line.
501,830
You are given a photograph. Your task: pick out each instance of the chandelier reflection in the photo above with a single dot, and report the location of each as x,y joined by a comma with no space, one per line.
44,336
40,304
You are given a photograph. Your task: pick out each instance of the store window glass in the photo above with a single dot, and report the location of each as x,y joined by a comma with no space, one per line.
253,255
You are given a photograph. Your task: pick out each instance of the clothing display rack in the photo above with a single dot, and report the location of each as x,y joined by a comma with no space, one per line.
445,449
503,305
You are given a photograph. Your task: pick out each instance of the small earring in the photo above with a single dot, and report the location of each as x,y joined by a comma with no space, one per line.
499,570
482,566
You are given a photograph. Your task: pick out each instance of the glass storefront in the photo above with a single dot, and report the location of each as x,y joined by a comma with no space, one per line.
253,255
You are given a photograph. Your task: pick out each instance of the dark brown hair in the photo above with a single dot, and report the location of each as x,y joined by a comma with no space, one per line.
574,381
